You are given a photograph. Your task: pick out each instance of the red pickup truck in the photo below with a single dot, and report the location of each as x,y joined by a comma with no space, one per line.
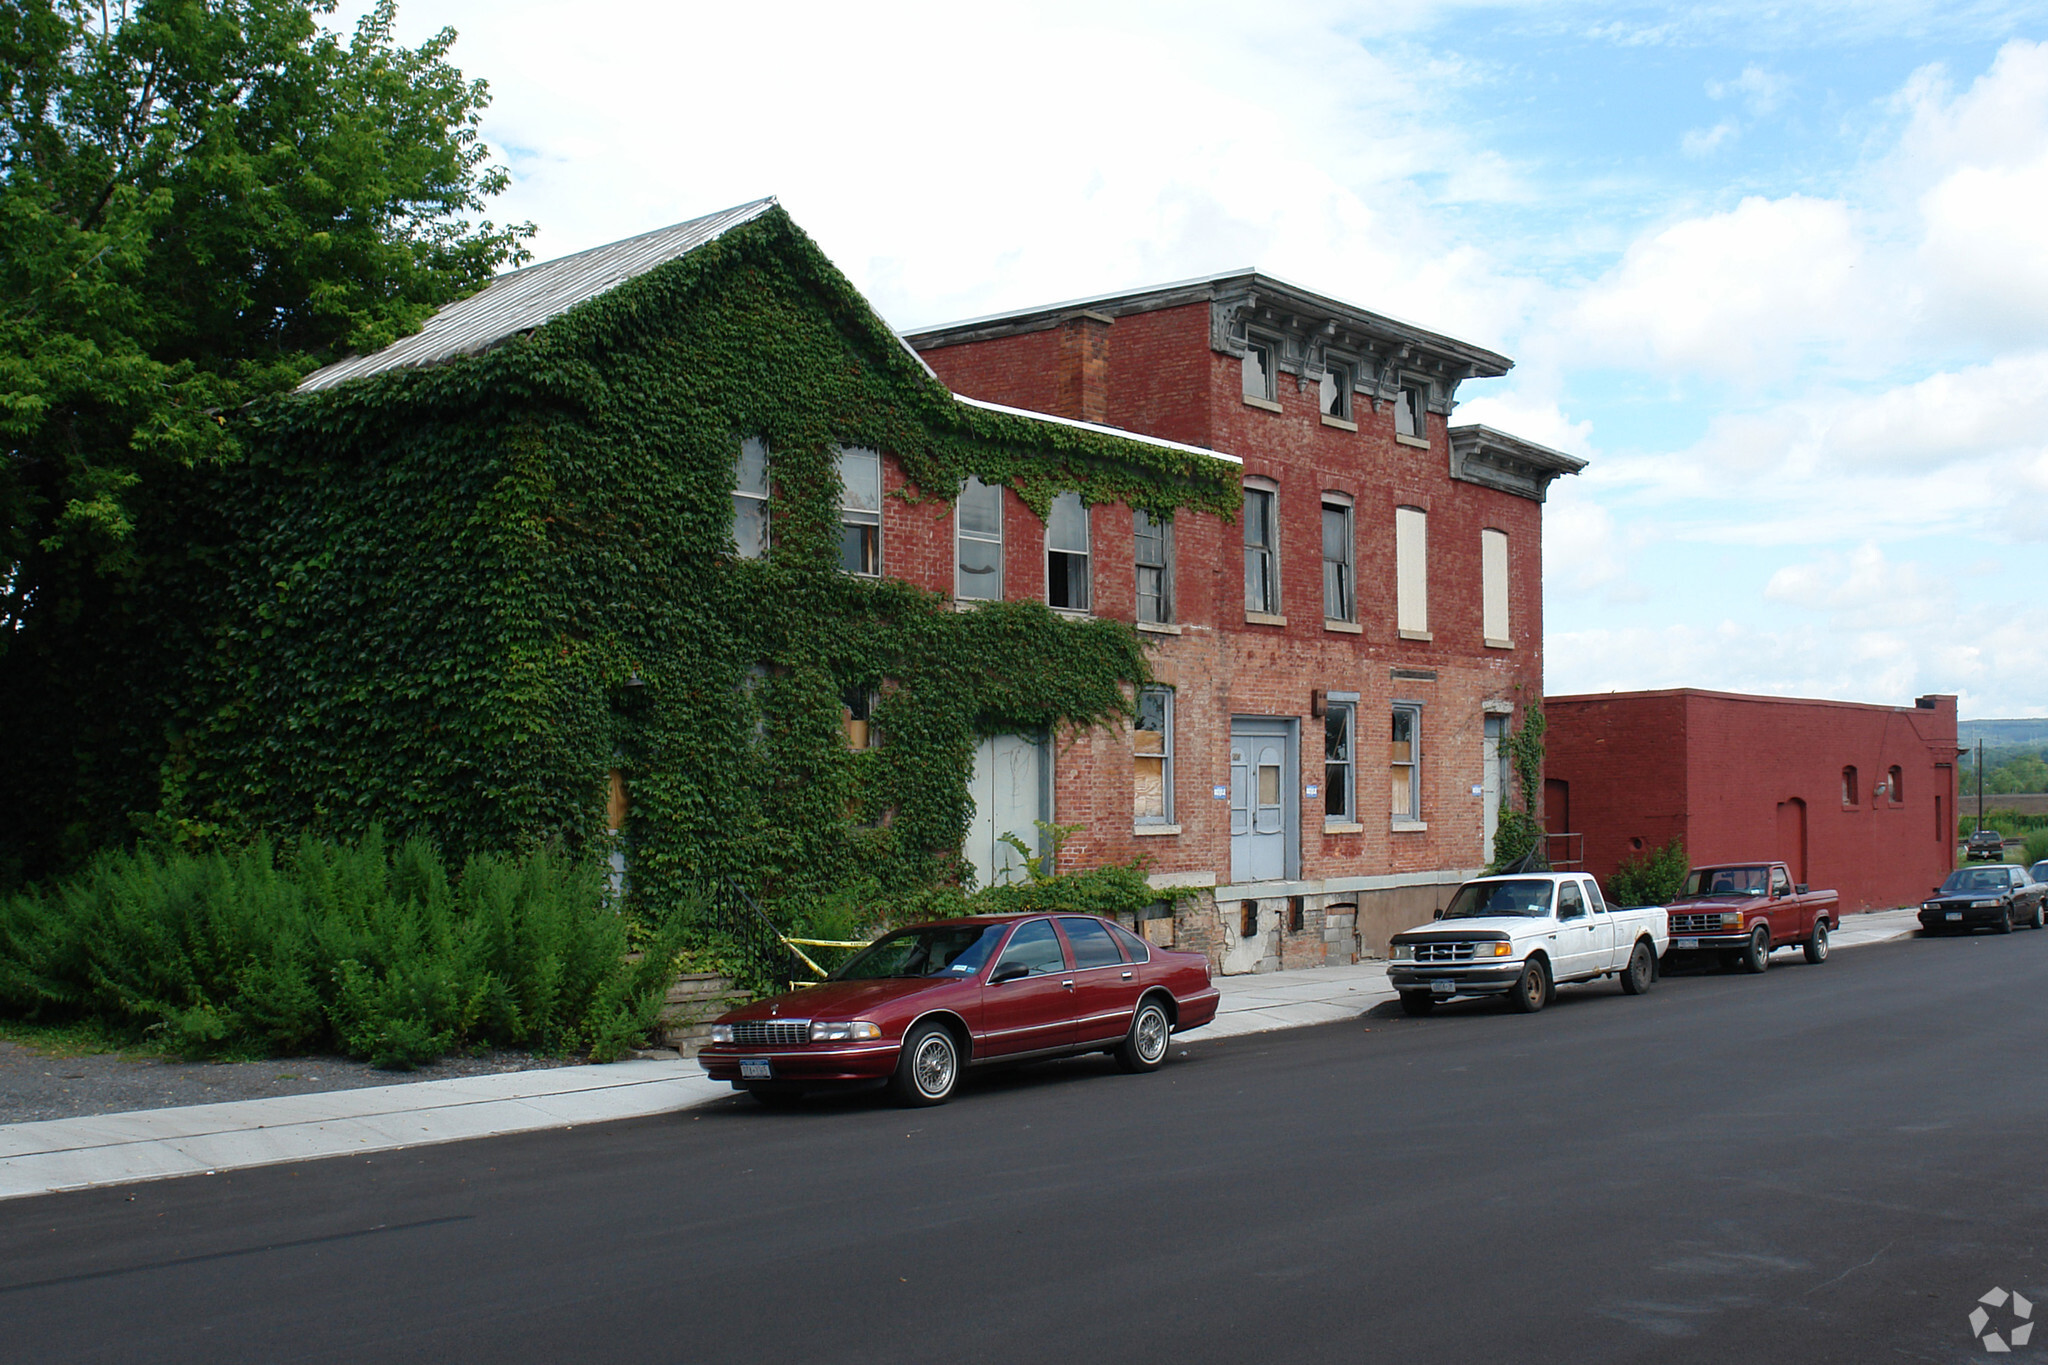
1744,910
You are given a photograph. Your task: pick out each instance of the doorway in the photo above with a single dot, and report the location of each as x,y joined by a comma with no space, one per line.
1792,837
1265,799
1011,789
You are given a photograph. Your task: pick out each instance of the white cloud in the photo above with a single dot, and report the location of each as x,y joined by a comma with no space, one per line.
1760,91
1702,142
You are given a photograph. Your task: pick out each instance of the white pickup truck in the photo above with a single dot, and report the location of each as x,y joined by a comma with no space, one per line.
1520,936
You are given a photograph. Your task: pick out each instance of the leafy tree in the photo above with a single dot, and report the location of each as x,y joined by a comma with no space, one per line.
200,202
1654,878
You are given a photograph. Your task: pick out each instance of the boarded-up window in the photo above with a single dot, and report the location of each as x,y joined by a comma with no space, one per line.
1404,764
1411,569
1493,586
1152,758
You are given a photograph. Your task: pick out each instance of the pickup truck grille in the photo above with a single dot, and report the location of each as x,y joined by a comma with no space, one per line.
1443,952
1696,924
772,1032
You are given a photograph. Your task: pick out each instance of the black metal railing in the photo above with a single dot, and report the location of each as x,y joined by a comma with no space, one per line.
766,962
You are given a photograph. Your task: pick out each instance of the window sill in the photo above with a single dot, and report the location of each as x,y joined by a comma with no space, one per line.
1266,403
1342,827
1338,422
1410,826
1159,627
1421,635
1347,627
1260,618
1070,614
972,603
1500,644
1419,442
1153,831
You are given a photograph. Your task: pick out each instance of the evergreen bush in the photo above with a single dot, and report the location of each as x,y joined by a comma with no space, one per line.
1655,878
370,950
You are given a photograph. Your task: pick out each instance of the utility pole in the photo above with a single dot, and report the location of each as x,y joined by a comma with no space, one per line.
1980,784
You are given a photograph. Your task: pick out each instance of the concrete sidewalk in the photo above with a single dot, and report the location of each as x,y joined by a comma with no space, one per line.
113,1149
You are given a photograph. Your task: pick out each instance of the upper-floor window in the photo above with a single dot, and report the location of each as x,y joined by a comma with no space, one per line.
857,715
860,511
1408,412
750,499
1152,758
1261,368
1261,552
1493,587
1411,570
1153,550
1849,796
1339,595
1339,732
1066,553
980,516
1894,786
1338,378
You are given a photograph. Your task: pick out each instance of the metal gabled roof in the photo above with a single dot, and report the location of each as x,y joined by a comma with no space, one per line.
523,299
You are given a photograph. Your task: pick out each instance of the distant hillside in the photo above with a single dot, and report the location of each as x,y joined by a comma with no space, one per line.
2029,730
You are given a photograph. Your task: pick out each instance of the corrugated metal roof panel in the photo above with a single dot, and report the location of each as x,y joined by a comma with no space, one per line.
523,299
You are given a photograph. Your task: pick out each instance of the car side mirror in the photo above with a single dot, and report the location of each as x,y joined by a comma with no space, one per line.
1437,915
1010,971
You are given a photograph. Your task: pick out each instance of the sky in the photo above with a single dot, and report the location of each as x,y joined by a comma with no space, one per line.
1780,272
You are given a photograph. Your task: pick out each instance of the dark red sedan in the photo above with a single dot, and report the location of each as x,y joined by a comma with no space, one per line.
920,1005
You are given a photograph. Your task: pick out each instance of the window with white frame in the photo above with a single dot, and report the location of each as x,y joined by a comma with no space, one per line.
1152,542
860,511
1066,554
1261,368
750,499
1152,758
979,514
1408,412
1340,722
1493,586
1411,570
1338,379
1339,589
1261,552
1404,764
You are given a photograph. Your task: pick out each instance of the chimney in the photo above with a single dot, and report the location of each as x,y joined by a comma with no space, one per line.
1082,388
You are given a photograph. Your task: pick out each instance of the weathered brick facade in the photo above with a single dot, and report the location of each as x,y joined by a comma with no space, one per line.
1169,363
1741,777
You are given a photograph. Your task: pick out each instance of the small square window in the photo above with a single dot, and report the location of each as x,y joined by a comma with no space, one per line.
1261,368
1338,379
1408,412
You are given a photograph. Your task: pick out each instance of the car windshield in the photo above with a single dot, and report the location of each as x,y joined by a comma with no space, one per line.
1727,881
1976,879
933,950
2039,871
1523,899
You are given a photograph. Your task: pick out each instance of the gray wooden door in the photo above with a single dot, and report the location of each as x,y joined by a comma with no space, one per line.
1010,788
1262,814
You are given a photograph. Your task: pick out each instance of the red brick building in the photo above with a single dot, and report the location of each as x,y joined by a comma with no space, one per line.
1858,798
1319,766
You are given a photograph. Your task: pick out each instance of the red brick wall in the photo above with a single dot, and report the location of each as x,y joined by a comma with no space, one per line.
1162,379
1736,758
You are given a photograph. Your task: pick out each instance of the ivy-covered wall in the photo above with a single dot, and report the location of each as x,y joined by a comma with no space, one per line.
453,599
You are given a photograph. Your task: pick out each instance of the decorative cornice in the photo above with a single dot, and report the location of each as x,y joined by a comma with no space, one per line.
1495,459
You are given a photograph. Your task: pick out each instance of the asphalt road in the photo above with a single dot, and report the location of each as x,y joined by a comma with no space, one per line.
1820,1164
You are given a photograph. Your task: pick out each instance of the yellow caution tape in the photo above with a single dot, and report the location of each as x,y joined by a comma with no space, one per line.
829,942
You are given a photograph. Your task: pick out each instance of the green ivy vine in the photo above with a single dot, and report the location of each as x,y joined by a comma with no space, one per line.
453,599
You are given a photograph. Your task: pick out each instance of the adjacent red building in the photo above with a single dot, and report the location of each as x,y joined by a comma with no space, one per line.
1853,797
1319,765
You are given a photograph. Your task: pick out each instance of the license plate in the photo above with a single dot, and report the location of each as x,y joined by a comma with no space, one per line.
1442,987
1953,914
756,1071
1685,943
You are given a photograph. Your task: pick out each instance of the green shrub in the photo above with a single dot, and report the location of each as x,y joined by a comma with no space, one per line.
369,950
1655,878
2036,847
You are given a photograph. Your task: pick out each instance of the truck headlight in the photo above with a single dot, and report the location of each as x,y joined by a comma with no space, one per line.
1494,950
1731,919
857,1031
1404,952
721,1033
